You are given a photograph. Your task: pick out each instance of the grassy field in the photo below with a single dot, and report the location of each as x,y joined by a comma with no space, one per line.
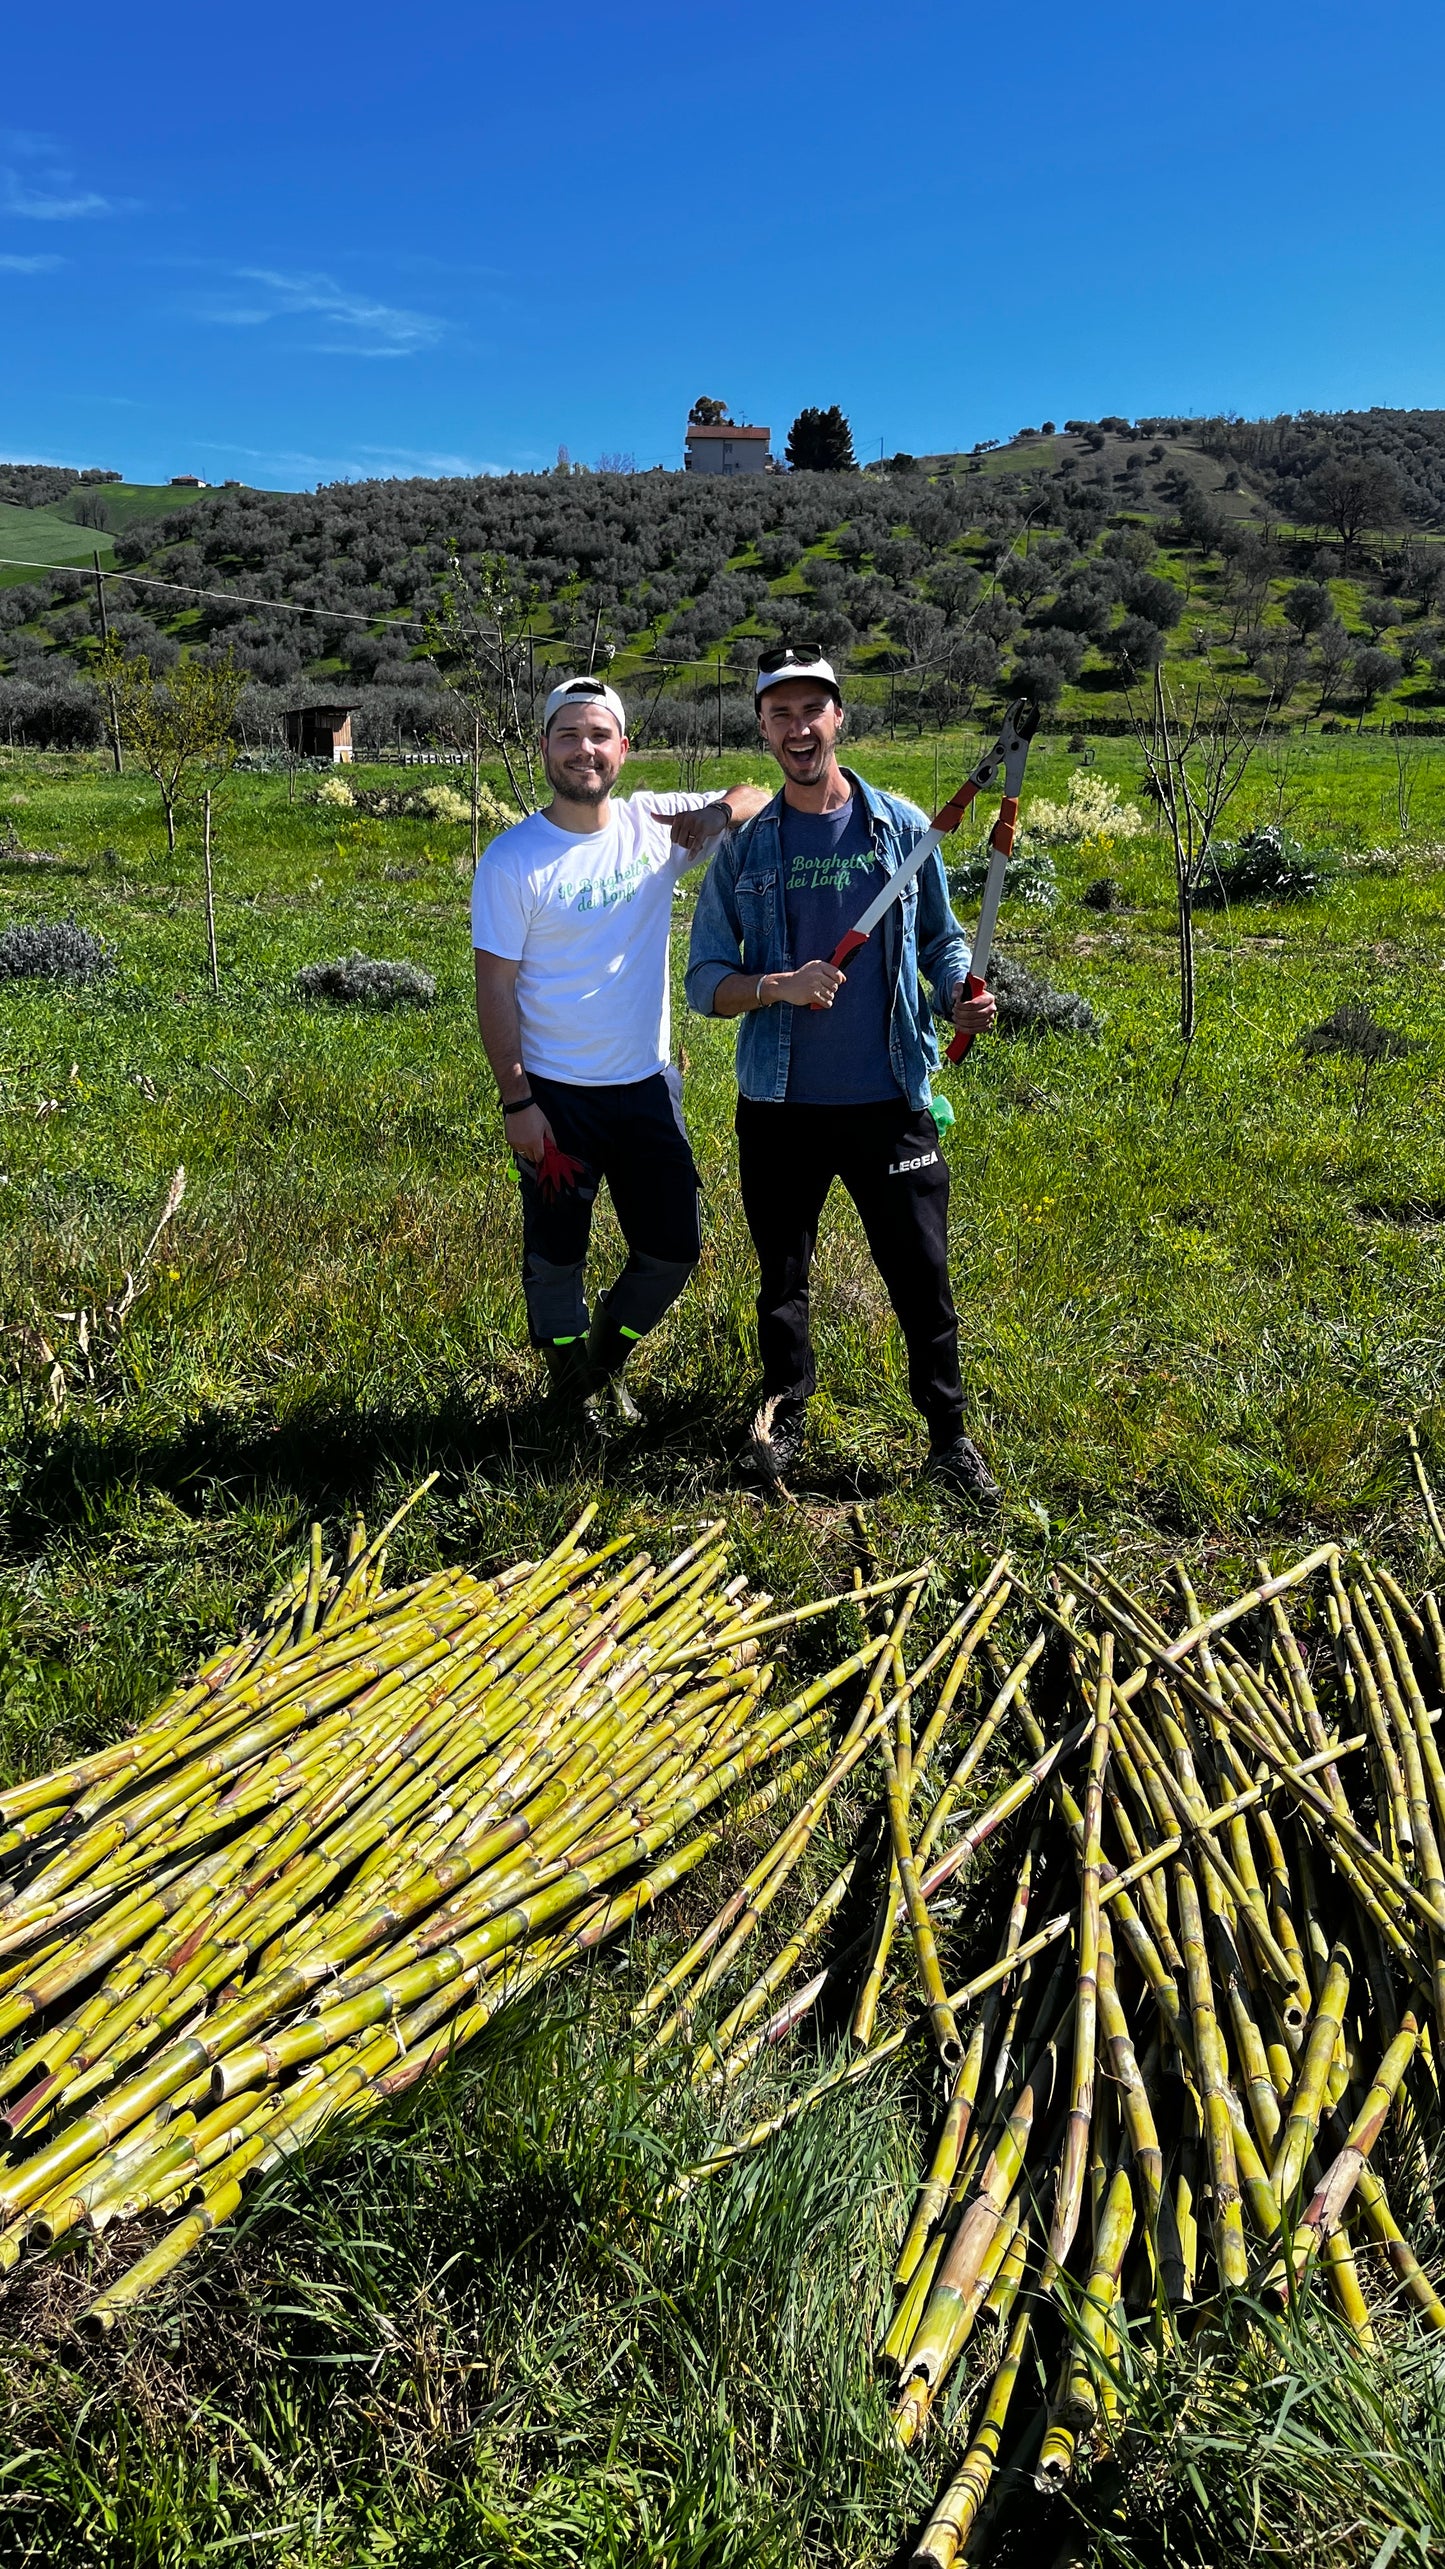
42,535
53,537
1201,1303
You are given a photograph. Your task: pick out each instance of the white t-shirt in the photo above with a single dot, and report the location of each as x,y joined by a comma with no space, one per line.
587,918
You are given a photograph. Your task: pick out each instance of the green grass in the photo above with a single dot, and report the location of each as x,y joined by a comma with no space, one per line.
1201,1302
50,538
41,536
129,502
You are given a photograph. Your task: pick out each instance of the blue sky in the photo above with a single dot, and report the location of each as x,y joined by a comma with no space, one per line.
295,245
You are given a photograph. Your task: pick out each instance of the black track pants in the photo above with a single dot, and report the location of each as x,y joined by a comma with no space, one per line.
888,1158
633,1137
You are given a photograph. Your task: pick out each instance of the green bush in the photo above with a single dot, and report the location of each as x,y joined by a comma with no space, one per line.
53,950
360,981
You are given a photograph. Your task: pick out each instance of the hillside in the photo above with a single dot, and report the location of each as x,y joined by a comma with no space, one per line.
49,516
1296,562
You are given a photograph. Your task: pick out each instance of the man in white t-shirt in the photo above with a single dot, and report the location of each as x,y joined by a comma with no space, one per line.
571,915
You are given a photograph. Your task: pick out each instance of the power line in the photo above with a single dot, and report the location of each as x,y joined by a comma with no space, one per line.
234,597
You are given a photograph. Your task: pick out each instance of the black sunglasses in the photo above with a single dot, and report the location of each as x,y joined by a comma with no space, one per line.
787,655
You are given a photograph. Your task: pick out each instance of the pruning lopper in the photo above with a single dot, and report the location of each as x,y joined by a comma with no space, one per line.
1009,752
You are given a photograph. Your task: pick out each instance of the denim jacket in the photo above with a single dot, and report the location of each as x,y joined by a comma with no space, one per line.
741,925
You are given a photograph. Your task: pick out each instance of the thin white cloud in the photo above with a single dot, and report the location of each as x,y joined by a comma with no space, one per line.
369,464
44,191
16,266
359,326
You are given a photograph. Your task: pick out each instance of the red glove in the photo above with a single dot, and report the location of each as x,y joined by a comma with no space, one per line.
556,1170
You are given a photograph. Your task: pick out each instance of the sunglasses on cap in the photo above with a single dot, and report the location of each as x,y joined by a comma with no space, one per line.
787,655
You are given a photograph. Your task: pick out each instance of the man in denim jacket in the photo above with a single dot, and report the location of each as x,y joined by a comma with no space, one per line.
833,1069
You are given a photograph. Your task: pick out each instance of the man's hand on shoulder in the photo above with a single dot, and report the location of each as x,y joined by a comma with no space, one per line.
700,830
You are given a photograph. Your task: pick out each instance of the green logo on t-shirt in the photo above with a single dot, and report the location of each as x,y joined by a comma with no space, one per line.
827,869
617,887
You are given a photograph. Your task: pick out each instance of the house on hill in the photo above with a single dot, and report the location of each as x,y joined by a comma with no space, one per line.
726,448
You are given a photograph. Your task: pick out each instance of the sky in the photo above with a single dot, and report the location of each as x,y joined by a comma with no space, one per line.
294,246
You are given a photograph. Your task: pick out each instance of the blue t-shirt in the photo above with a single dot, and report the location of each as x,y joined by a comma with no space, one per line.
837,1056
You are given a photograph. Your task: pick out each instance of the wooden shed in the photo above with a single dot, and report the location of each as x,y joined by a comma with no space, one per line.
320,731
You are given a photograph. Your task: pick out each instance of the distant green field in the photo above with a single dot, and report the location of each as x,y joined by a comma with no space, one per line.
51,537
42,536
127,501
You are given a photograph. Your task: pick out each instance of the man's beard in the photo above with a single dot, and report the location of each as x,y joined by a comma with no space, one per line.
577,789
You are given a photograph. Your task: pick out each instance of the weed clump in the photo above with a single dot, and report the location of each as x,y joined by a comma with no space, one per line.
416,803
1029,878
1029,1005
1105,894
364,981
1095,814
1353,1030
1265,866
53,950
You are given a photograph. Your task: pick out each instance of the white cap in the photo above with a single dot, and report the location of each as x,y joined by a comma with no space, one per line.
823,670
584,691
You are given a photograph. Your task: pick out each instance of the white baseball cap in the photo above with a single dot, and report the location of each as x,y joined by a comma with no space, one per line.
584,691
802,660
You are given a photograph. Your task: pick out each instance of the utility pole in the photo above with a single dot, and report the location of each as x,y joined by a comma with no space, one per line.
105,644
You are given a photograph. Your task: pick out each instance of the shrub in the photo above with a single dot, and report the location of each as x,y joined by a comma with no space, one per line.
1353,1030
359,981
334,789
431,803
1105,894
53,950
444,803
1265,866
1027,1004
1094,815
1028,878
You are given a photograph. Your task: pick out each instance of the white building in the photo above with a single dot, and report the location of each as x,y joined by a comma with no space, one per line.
726,449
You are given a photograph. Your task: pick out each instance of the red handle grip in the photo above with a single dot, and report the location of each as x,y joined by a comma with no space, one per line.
973,988
843,953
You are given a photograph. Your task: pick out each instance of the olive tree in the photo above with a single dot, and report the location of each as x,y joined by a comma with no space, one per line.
176,728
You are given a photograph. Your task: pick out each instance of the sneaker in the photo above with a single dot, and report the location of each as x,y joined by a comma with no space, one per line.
774,1445
960,1467
612,1395
607,1352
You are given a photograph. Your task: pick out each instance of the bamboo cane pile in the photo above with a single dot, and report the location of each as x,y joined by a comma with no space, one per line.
323,1865
1214,1999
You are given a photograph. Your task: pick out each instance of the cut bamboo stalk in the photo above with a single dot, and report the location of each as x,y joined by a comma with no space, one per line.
952,2304
925,1947
953,2520
1307,2102
1327,2205
1227,2224
1432,1512
1079,2122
